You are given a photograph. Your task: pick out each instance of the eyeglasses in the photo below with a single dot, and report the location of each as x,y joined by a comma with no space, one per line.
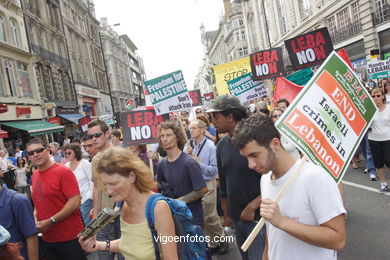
68,153
376,96
198,112
276,116
39,150
97,135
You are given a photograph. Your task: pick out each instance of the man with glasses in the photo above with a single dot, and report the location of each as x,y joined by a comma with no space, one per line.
57,199
203,151
99,133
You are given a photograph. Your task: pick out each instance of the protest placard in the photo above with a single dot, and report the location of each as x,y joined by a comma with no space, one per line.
267,64
168,93
329,117
140,127
247,89
301,77
195,97
83,123
209,96
228,71
378,69
309,49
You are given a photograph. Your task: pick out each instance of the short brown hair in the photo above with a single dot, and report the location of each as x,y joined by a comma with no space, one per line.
116,160
204,119
103,126
181,140
116,132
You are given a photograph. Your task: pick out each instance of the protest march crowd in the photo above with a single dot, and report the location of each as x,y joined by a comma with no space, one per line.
201,172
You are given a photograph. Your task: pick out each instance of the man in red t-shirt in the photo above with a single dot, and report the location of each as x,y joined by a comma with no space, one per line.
57,199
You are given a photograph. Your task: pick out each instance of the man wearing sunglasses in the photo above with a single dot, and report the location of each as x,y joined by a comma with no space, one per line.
57,199
99,133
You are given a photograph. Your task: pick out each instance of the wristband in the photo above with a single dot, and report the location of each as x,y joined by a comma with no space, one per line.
107,249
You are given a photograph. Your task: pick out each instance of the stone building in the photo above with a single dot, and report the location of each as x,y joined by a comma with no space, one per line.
137,72
118,66
86,57
21,108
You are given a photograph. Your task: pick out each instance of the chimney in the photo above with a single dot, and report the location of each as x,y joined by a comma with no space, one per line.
228,8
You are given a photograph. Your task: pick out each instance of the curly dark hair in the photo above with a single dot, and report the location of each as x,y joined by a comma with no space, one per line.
257,127
76,149
178,131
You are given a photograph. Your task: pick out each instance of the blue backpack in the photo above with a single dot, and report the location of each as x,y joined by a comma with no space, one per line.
182,218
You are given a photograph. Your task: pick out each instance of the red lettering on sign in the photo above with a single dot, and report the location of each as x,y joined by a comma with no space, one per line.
22,110
308,41
143,118
265,57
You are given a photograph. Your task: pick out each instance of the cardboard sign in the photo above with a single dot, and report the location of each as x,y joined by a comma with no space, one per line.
301,77
329,117
378,69
246,89
195,97
83,123
309,49
140,127
168,93
228,71
209,96
267,64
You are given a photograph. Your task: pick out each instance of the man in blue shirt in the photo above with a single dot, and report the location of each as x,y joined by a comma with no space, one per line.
16,215
202,150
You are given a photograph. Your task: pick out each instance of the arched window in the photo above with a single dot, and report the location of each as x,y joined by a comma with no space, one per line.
2,29
14,33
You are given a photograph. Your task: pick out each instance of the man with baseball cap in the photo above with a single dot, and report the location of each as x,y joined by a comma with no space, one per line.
239,185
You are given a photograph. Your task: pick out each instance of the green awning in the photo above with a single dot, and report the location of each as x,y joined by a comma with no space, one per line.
36,127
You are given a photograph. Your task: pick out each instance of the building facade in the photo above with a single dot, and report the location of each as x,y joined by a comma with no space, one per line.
359,26
137,72
118,67
86,57
20,100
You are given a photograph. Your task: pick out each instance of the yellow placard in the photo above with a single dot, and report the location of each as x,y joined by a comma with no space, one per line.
228,71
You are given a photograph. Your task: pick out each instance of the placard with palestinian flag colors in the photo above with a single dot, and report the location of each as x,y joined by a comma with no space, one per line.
246,89
329,117
168,93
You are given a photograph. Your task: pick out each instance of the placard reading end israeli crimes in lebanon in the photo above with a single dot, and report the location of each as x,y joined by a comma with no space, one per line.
228,71
329,117
378,69
169,93
247,89
140,127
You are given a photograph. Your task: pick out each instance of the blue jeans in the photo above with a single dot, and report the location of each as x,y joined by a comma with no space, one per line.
256,249
108,233
367,154
85,209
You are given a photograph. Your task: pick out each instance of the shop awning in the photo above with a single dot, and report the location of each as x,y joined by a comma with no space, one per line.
72,117
3,134
36,127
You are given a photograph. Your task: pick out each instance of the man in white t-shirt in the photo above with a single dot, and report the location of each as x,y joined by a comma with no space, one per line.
308,222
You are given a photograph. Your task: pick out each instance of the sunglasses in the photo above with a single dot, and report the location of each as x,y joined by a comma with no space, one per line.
376,96
276,116
97,135
39,150
198,112
68,153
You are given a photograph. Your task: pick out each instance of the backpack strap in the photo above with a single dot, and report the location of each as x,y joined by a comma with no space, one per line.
149,213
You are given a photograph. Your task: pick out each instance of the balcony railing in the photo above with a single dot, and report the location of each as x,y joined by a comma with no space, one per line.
48,55
381,15
350,31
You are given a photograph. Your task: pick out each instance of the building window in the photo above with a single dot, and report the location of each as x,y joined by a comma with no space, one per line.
332,25
282,16
2,29
238,36
240,22
243,35
355,12
343,19
10,78
245,51
304,8
49,88
24,78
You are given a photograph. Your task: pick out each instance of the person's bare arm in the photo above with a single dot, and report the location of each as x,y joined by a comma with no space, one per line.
248,213
92,245
265,253
165,228
194,195
227,220
330,234
32,247
70,206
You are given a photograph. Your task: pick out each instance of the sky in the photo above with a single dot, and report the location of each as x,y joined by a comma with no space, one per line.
166,32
